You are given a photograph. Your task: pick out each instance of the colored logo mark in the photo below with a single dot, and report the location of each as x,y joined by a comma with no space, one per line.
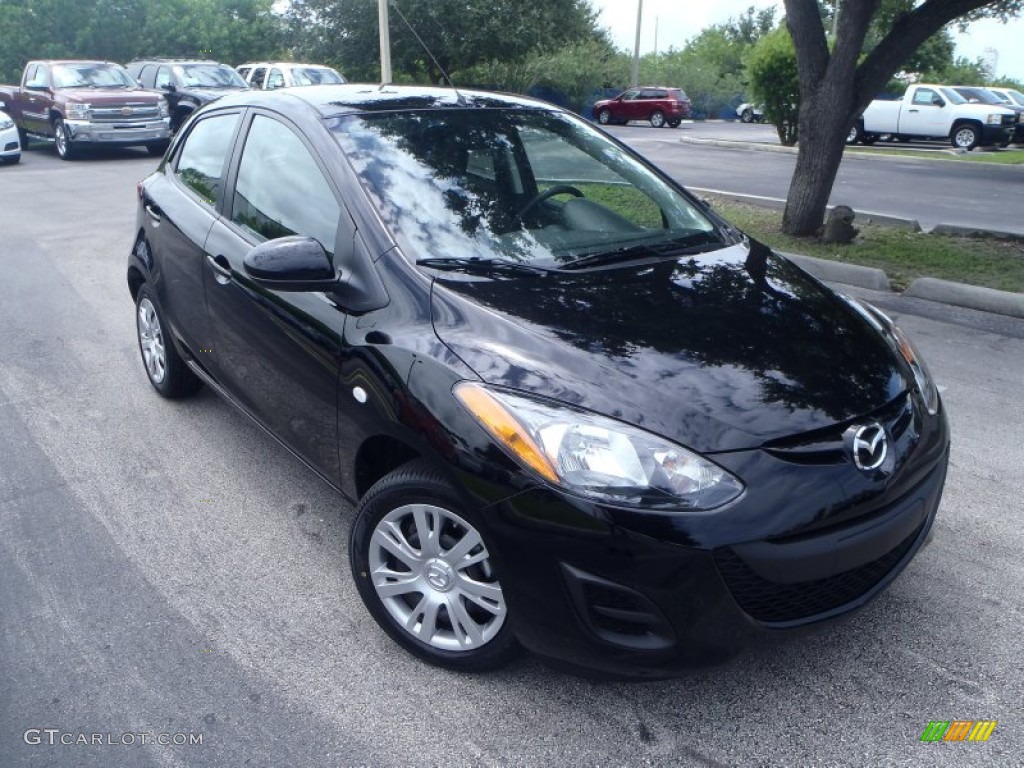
958,730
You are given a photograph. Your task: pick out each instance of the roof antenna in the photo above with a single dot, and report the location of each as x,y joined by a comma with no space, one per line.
462,100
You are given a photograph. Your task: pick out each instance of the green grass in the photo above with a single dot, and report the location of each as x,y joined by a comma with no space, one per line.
903,255
1001,157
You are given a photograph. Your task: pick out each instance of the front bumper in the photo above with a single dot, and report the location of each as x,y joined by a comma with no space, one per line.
124,134
10,145
654,598
996,134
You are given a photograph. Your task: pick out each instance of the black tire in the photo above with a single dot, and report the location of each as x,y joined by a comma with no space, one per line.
157,150
23,137
674,123
12,160
747,115
965,136
65,149
177,379
657,119
416,483
604,117
856,134
868,139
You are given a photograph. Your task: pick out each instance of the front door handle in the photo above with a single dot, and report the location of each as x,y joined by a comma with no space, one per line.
221,268
152,210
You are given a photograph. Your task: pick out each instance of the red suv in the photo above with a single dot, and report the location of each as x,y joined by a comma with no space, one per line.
662,106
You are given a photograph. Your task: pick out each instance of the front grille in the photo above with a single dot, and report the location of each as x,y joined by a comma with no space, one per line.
1009,119
115,113
773,602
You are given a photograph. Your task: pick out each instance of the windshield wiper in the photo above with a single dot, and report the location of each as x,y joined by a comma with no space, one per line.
481,266
683,246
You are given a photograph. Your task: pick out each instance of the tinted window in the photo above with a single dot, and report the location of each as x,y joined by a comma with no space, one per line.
201,159
652,94
276,79
163,77
630,95
88,75
244,72
36,77
280,189
208,76
257,77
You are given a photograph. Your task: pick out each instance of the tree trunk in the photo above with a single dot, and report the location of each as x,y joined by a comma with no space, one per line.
824,124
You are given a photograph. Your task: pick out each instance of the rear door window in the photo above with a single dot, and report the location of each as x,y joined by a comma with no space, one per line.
281,190
275,80
201,160
258,76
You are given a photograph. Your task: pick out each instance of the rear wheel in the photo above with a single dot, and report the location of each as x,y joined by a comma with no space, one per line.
965,136
62,140
167,372
747,115
426,574
856,134
657,119
674,123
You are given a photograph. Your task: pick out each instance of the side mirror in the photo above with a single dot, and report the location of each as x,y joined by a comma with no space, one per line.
36,88
291,264
170,87
937,102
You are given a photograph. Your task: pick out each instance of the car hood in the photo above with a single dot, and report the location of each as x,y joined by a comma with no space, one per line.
719,352
110,96
209,94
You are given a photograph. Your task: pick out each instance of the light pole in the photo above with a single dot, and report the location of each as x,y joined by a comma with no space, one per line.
635,77
385,42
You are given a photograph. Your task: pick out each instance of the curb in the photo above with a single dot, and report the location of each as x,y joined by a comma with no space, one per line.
969,296
848,274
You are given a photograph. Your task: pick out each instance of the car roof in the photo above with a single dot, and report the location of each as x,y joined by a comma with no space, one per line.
333,100
283,64
72,61
176,61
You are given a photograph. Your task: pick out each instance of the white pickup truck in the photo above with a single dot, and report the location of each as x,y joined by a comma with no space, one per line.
935,112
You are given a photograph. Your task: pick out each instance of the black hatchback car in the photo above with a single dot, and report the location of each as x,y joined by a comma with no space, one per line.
577,411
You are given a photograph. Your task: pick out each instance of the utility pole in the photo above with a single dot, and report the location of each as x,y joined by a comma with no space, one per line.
385,42
635,77
655,35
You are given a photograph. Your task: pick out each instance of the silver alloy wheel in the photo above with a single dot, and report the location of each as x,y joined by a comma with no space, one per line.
965,137
851,137
60,138
657,120
151,340
747,116
604,117
433,574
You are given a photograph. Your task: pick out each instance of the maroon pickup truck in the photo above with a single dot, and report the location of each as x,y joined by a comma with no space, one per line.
86,103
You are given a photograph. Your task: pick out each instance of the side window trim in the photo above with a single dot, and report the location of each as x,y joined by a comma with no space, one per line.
217,209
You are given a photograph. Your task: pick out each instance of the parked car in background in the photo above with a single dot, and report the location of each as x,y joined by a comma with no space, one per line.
661,106
978,95
575,409
750,113
1009,95
934,112
288,74
187,84
86,103
10,143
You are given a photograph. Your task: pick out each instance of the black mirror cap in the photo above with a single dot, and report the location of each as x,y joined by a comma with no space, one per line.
293,263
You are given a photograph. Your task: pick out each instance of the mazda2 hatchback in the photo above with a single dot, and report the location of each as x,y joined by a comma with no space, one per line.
577,412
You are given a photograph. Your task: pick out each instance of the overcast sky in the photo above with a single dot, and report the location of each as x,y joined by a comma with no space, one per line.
679,21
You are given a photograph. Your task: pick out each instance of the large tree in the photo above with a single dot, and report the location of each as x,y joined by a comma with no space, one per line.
838,82
459,33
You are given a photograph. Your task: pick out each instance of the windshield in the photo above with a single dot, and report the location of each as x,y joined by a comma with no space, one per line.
316,76
981,95
1017,96
524,185
208,76
953,96
92,76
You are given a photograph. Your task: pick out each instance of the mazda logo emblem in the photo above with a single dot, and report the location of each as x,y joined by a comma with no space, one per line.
869,447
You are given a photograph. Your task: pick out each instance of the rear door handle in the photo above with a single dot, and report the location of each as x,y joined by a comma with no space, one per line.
153,212
221,268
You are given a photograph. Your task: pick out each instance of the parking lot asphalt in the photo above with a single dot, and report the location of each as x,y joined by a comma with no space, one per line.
165,567
932,192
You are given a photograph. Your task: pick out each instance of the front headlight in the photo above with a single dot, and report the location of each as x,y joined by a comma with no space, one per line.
78,111
598,457
164,110
906,349
994,119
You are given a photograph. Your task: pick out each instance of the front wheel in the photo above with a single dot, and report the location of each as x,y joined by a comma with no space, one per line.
604,117
856,134
23,137
965,137
426,574
62,139
657,119
674,123
747,115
